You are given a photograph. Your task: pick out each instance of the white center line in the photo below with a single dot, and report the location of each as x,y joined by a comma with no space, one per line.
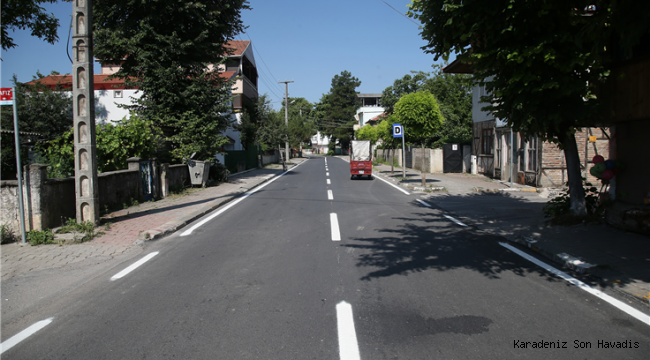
329,182
334,222
14,340
619,304
348,346
330,196
134,266
454,220
327,174
393,185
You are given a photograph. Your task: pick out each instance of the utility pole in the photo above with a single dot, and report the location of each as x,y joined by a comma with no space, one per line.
286,114
85,159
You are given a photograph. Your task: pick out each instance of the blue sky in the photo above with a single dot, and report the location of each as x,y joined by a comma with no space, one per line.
305,41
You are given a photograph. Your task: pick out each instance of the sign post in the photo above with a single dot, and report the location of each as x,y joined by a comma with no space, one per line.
398,132
7,98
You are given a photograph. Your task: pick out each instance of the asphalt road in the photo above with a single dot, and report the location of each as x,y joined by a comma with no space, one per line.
268,279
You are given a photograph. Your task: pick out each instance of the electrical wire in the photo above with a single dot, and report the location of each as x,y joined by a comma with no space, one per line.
391,6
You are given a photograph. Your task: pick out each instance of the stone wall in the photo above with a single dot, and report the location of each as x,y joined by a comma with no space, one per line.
9,211
117,188
178,177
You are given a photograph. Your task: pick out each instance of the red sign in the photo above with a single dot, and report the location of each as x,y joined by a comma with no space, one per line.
6,96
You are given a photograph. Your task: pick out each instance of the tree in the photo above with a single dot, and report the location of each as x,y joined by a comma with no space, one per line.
420,115
540,62
133,137
406,85
367,132
385,132
301,125
453,93
42,111
337,108
165,49
28,14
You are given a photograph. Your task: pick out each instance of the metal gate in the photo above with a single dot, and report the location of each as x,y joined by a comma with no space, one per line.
147,179
453,158
408,153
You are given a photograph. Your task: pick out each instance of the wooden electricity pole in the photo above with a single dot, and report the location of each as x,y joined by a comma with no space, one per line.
85,159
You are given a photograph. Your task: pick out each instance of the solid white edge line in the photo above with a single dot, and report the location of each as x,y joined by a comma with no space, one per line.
454,220
334,223
393,185
570,279
348,345
14,340
329,182
330,196
233,203
134,266
423,203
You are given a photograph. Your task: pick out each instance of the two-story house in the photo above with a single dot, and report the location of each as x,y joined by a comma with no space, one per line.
501,152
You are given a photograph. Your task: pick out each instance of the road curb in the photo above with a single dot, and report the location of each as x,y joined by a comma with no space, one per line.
175,225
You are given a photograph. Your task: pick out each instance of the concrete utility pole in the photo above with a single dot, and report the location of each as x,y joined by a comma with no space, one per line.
85,159
286,114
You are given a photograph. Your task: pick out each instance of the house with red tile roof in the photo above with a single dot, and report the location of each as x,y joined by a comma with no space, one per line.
110,94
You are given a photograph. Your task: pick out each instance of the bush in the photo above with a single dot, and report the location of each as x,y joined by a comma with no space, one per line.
330,153
86,227
36,237
6,234
218,172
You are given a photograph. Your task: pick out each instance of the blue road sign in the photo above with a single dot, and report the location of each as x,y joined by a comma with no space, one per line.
397,131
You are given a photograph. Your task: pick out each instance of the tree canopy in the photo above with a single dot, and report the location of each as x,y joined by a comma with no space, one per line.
337,108
540,62
420,115
42,111
453,93
165,49
367,132
28,14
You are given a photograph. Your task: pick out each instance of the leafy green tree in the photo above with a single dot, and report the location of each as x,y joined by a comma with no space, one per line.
133,137
337,108
406,85
420,115
28,14
385,133
453,93
301,125
367,132
165,49
44,112
541,62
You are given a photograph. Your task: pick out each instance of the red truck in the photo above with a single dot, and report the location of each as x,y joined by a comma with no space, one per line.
360,159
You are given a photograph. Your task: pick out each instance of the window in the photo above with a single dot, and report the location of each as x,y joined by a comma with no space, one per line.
117,93
532,154
487,141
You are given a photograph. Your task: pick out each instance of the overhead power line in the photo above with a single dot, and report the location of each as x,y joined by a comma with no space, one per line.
399,12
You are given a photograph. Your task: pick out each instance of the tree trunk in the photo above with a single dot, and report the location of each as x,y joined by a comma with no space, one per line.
576,190
424,178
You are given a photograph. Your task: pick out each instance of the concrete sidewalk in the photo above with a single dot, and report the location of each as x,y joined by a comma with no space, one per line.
612,258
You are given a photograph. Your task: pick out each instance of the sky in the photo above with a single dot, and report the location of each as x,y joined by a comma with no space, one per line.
305,41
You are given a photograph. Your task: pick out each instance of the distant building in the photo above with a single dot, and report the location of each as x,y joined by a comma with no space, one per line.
370,108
